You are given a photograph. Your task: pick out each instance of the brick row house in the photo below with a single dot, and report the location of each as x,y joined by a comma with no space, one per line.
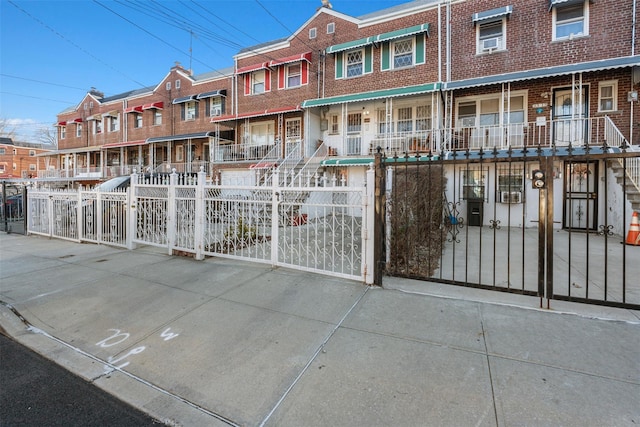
20,160
426,76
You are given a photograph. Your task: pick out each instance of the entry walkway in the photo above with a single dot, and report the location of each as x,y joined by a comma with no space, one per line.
219,342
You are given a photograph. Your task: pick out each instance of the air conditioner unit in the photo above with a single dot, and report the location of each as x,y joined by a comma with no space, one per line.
216,112
510,197
491,44
191,116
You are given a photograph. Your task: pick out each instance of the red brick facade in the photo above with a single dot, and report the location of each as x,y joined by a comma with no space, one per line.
528,45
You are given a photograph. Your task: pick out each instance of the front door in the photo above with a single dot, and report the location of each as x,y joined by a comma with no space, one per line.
570,112
581,195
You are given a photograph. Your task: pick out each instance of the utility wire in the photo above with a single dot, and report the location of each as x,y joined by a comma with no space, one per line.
72,43
40,81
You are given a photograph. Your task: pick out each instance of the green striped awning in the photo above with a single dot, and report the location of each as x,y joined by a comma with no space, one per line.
376,94
348,161
404,32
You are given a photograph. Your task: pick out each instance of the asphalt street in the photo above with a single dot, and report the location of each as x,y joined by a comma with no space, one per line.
37,392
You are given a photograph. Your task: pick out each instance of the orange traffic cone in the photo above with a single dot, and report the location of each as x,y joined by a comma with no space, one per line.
633,236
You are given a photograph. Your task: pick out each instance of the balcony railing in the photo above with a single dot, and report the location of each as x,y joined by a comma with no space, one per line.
596,131
227,151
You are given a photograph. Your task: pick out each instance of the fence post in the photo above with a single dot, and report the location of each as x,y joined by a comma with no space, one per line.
275,216
369,220
171,211
131,212
79,215
379,223
198,234
99,217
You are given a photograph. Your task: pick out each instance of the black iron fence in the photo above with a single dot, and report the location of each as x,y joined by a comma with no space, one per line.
552,223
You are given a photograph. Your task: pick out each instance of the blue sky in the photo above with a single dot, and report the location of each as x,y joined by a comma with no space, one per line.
53,52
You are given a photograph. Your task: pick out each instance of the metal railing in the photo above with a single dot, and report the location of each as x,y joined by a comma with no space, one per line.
577,132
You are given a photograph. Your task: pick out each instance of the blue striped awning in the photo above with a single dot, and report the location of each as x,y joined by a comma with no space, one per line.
492,15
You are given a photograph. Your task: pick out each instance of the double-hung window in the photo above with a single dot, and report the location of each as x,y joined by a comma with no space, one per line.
190,110
403,53
491,29
355,63
157,117
78,130
63,132
258,82
607,96
138,120
114,124
490,36
570,20
294,75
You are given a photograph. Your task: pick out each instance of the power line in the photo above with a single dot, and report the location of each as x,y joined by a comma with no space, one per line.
71,42
37,97
40,81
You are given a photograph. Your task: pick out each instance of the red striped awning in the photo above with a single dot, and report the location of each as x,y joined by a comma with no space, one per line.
254,67
264,165
124,144
136,109
156,105
76,120
61,124
289,59
267,112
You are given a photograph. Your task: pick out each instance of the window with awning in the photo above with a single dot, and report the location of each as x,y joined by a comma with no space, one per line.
400,48
136,109
154,105
184,99
492,15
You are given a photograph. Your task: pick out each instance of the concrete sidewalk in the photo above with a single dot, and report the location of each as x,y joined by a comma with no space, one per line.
219,342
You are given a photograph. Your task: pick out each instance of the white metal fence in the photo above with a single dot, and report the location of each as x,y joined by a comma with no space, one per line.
324,228
80,215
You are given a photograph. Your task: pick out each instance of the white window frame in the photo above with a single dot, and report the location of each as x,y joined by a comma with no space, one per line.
137,120
32,153
256,82
476,120
334,124
190,108
313,33
97,126
331,27
262,133
351,54
157,117
291,76
32,167
584,19
215,106
179,153
63,132
613,84
501,40
114,124
395,55
78,130
293,129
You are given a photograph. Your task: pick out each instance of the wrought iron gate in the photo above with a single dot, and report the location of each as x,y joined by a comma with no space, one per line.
478,220
13,197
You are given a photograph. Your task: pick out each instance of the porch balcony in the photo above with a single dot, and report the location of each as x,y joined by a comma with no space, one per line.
225,151
578,132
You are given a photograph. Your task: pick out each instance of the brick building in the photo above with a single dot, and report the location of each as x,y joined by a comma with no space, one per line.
20,160
424,76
